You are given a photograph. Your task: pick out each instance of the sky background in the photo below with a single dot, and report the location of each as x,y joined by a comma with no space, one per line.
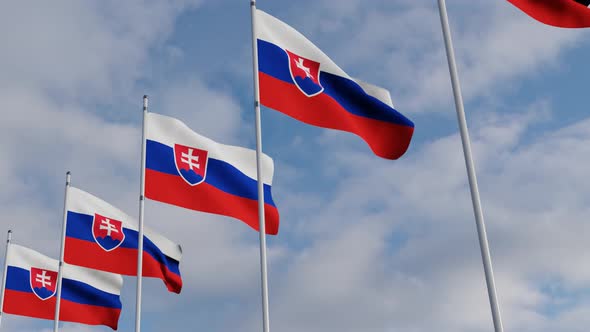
365,244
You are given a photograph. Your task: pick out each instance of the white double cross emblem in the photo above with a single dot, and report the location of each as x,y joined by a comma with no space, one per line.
43,279
191,160
106,225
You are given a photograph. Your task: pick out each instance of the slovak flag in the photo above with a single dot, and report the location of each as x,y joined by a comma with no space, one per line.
100,236
87,296
185,169
298,79
559,13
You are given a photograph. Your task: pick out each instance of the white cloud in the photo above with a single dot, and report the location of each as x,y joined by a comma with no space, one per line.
399,252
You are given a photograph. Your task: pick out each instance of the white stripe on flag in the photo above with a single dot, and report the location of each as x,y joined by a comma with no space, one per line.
277,32
25,258
170,131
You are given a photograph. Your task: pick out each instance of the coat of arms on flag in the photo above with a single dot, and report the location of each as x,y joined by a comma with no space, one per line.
107,232
305,74
43,282
228,173
191,163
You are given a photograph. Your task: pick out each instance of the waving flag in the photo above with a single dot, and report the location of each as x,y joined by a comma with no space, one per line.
559,13
88,296
186,169
299,80
102,237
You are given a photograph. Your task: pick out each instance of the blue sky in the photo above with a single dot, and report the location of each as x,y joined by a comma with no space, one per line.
365,243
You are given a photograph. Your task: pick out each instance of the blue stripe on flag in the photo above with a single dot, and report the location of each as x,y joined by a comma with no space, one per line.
17,279
273,61
79,292
221,175
79,226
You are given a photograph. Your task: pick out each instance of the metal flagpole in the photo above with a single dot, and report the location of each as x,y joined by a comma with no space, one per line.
140,226
262,226
4,275
479,221
61,254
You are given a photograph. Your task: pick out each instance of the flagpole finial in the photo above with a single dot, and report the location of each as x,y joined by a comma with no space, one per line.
140,222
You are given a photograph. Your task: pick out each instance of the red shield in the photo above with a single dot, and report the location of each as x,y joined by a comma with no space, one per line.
191,163
305,74
43,282
107,232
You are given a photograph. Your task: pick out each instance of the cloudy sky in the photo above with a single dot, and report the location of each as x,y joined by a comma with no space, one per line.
365,244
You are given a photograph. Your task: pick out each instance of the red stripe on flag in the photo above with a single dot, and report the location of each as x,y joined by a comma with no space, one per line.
89,314
559,13
172,189
121,261
29,305
387,140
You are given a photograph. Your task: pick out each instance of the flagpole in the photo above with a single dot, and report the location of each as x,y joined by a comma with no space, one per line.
4,275
61,253
140,226
477,210
262,226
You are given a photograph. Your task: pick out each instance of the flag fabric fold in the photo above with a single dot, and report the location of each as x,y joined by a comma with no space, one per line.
188,170
559,13
88,296
298,79
102,237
